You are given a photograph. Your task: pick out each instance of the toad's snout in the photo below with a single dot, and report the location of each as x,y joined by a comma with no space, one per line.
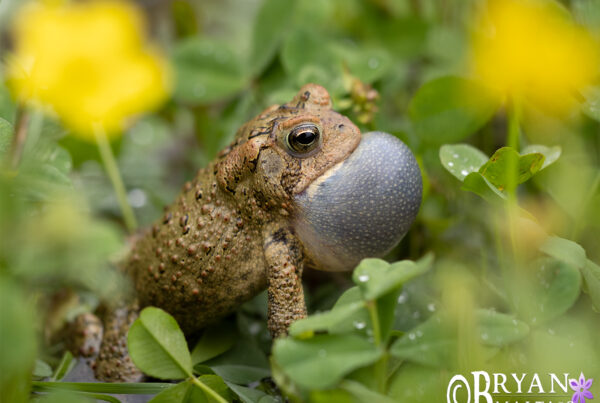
361,207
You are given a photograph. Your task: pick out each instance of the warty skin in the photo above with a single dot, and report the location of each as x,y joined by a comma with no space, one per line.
298,187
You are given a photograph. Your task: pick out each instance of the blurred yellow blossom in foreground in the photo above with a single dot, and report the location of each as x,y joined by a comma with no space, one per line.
88,62
531,49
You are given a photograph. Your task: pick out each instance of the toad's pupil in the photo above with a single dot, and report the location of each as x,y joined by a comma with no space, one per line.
306,137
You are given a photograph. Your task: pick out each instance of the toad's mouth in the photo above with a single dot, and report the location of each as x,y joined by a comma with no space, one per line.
361,207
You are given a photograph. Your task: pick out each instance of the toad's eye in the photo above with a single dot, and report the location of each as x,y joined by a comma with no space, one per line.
303,138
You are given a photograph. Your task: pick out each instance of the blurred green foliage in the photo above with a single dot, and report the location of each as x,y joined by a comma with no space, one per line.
500,295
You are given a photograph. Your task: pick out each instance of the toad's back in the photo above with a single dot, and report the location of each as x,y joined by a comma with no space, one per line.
202,259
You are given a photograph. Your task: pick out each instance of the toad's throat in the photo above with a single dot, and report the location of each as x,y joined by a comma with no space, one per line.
361,207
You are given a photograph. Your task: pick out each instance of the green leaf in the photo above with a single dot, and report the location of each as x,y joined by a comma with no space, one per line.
214,341
331,395
498,329
86,397
364,394
18,341
6,135
431,343
356,323
434,342
325,321
270,27
41,369
44,171
449,109
497,169
157,346
180,393
376,277
554,290
188,392
461,159
563,292
148,388
58,157
320,362
244,353
62,397
69,247
591,106
368,63
248,395
243,364
405,36
7,104
565,250
201,369
240,374
587,13
591,275
218,385
206,71
478,184
417,383
307,57
551,154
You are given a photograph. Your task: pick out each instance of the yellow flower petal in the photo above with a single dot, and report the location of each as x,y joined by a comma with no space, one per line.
532,49
89,62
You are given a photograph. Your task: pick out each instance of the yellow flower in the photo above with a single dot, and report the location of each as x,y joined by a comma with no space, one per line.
88,62
532,49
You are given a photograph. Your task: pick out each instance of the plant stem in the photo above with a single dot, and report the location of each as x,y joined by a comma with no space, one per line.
381,364
208,390
18,142
110,164
514,131
372,307
416,7
511,205
514,118
578,225
63,367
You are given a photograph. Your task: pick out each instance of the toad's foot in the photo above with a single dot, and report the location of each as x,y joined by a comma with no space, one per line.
113,363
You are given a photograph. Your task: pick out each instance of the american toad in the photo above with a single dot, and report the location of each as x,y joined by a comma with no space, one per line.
298,187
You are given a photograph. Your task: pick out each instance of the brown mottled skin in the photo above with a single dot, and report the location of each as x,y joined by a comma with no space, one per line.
228,235
298,187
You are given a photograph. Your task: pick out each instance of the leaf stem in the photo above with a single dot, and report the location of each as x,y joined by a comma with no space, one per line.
208,390
112,169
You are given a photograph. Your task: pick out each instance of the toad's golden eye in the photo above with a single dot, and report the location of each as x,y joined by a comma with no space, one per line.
303,138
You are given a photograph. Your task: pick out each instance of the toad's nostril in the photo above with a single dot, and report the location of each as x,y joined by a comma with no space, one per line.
361,207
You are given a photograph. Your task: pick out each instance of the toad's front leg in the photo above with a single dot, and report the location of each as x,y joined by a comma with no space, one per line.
283,255
113,363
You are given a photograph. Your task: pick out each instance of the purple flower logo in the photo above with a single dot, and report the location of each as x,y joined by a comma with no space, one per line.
581,389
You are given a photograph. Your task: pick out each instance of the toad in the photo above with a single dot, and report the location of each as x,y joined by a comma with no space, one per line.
299,187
